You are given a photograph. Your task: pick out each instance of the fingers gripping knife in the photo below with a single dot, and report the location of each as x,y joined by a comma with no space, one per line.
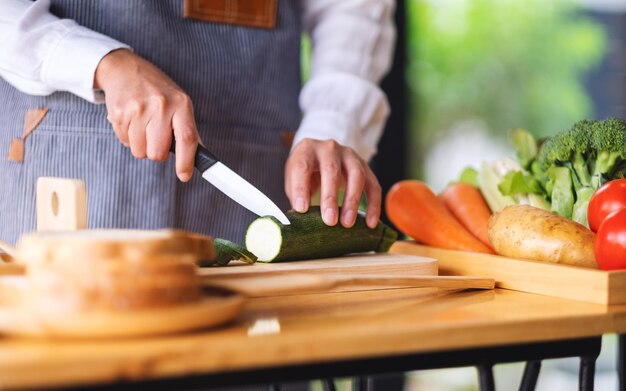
234,186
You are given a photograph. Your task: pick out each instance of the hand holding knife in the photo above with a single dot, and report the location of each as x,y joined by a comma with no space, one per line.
233,185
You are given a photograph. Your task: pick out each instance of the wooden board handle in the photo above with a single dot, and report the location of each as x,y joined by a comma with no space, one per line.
61,204
294,283
451,282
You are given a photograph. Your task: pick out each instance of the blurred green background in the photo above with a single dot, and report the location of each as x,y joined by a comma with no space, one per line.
486,66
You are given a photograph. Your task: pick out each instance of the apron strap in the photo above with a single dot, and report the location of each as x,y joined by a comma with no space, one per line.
32,119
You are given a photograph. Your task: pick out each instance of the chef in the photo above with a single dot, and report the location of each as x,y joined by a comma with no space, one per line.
97,89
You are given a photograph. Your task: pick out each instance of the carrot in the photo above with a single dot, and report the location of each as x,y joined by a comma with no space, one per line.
468,205
416,211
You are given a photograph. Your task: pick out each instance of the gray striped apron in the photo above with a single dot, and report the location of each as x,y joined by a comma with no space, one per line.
244,83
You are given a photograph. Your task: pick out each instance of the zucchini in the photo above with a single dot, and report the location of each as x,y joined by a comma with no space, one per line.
226,251
307,237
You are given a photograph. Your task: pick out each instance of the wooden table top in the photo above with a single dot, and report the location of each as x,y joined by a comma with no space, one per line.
277,331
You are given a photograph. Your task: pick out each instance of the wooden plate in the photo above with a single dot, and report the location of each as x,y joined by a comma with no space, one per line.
215,308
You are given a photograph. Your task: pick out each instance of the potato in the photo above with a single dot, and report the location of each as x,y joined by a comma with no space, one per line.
523,231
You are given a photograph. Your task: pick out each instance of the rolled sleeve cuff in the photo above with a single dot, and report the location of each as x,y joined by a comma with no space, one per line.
71,66
332,125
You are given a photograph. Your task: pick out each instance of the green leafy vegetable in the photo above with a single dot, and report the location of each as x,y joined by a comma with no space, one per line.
469,176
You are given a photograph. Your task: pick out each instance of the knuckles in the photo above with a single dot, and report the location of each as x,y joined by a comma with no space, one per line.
357,172
302,166
332,169
186,136
153,102
351,200
179,98
159,102
136,152
158,156
331,146
136,107
115,115
329,199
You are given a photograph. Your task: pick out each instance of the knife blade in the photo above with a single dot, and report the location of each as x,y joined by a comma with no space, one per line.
233,185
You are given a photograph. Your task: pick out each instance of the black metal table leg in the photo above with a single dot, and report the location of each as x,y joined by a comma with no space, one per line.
587,372
531,374
485,377
328,385
621,374
387,382
361,383
362,370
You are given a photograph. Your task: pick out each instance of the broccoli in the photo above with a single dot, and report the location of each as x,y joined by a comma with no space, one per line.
609,142
570,148
593,152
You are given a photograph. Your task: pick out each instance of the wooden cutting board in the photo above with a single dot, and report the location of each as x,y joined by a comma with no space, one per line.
358,264
369,263
298,283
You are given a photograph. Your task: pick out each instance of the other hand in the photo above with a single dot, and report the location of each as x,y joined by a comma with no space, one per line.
315,163
144,105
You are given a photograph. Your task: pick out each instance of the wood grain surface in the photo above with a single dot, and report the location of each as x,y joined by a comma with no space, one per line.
20,316
377,263
356,264
286,330
313,328
296,283
578,283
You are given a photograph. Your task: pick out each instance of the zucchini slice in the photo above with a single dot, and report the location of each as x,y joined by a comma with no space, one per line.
307,237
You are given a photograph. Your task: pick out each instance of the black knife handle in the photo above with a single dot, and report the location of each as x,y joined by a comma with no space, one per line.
203,160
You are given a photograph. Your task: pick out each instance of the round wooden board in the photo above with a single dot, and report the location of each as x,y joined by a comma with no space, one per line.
215,308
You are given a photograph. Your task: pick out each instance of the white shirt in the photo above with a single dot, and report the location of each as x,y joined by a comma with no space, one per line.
352,48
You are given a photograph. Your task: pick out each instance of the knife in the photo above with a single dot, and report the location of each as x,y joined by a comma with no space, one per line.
234,186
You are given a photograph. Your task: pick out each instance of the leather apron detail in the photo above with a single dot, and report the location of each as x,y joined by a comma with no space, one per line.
32,119
244,84
287,137
246,13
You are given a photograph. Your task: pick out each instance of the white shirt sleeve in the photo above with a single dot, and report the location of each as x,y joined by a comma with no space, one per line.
353,44
41,54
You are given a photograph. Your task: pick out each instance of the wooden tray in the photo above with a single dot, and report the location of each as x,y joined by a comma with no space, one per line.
570,282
